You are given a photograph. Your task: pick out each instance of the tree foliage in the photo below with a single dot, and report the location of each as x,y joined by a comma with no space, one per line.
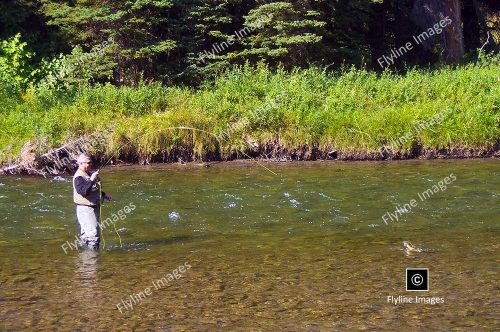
15,67
280,33
59,43
139,30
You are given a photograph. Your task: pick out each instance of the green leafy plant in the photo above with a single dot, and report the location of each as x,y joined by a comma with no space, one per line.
15,67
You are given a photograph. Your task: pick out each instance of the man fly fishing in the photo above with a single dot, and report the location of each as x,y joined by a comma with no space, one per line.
88,197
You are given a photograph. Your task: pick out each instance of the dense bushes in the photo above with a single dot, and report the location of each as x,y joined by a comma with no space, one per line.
351,110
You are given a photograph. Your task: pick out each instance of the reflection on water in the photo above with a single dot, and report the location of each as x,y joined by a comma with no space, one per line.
304,250
86,286
86,274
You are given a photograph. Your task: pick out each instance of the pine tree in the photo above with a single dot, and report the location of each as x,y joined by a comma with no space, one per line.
139,29
209,25
345,33
210,30
279,33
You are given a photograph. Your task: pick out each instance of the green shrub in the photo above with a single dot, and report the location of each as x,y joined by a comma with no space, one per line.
350,110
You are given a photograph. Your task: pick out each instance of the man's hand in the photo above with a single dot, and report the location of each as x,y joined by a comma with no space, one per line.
108,197
94,176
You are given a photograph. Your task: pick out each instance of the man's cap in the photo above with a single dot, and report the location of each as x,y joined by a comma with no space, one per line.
84,158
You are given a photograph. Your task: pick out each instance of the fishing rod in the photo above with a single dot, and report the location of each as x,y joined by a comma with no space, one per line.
100,216
100,220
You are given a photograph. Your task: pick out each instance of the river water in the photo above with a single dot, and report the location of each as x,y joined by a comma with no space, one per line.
297,247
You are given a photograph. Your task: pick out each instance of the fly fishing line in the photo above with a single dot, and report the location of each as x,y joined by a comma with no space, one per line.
114,226
100,217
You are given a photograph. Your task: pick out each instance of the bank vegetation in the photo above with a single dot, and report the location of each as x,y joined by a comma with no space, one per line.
252,111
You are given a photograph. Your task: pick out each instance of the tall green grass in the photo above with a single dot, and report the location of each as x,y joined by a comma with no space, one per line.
352,110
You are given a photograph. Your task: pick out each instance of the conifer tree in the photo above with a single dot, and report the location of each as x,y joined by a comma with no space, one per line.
139,30
279,33
210,25
345,33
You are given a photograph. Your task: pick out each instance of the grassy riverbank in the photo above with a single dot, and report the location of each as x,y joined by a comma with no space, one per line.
305,114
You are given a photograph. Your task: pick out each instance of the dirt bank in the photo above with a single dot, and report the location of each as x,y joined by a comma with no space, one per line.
61,160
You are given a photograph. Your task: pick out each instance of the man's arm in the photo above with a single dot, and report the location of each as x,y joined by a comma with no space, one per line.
83,186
